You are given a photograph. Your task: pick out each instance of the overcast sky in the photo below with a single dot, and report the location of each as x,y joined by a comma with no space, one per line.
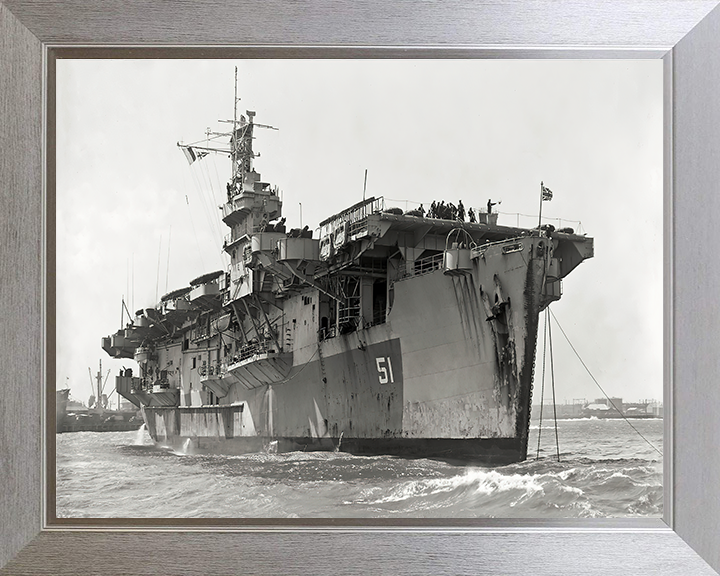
134,220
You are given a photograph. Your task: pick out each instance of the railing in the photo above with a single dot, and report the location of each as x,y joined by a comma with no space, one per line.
215,369
235,235
352,322
250,350
356,228
423,266
218,368
353,217
240,202
230,238
147,384
531,221
350,313
509,245
353,214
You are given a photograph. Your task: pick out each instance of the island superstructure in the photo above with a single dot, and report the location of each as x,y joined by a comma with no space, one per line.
390,333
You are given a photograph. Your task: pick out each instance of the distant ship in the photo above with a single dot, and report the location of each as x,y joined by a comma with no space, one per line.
394,333
73,416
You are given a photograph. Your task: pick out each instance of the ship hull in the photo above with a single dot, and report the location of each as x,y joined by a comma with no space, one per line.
452,382
61,400
477,451
107,422
98,426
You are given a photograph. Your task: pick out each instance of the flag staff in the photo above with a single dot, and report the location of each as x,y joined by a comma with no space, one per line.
545,194
541,201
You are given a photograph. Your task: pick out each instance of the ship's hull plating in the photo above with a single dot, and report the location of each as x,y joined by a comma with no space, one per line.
481,451
449,375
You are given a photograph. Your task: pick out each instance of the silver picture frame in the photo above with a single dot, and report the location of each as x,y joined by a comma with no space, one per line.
685,34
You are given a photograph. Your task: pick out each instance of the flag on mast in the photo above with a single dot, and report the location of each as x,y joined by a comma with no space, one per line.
546,192
545,196
191,154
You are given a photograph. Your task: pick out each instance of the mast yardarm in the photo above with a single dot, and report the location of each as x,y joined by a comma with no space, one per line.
241,150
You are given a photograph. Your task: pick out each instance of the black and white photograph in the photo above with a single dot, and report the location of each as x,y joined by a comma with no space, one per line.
425,288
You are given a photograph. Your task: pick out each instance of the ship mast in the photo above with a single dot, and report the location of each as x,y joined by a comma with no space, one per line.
235,102
241,151
96,398
241,145
232,140
97,404
99,387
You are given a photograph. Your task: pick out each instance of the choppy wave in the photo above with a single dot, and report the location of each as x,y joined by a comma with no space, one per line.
604,470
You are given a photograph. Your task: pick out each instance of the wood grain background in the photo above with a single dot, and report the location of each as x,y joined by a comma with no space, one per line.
537,554
696,301
535,28
658,23
20,284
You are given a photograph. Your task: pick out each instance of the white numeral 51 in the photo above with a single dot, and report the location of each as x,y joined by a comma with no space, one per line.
385,374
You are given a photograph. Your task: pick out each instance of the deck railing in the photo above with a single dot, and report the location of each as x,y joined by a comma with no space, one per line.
423,266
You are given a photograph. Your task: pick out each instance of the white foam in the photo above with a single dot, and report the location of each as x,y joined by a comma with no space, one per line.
619,475
565,474
140,436
486,482
185,450
492,481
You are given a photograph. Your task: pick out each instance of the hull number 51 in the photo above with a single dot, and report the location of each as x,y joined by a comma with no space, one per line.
385,372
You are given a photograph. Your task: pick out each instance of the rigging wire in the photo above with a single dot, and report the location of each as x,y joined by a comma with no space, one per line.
224,262
192,224
218,218
157,283
208,138
213,196
552,380
542,386
200,187
206,199
209,197
601,388
198,177
217,176
167,268
547,337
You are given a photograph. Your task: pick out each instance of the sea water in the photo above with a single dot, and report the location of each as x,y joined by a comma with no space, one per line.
606,469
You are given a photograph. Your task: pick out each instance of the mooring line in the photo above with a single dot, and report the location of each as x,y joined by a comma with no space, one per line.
601,388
